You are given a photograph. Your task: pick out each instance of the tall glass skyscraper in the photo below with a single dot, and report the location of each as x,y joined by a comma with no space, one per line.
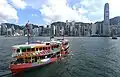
106,25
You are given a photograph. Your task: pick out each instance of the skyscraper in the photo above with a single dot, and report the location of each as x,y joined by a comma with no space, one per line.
106,26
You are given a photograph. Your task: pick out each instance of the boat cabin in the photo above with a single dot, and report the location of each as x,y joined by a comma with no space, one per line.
20,49
33,52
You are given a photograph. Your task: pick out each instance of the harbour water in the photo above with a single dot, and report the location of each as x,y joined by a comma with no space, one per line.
90,57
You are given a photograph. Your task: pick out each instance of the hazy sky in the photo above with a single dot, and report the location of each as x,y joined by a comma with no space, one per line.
47,11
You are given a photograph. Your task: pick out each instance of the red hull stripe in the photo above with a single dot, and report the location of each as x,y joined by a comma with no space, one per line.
22,67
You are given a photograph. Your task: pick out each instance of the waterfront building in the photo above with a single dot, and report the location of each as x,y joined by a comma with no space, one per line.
99,28
48,30
106,27
94,29
36,31
77,28
87,29
3,29
9,31
118,28
113,30
72,25
13,30
0,29
52,30
41,30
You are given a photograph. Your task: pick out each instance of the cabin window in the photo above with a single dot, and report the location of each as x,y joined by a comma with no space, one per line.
36,49
28,49
46,48
18,50
40,49
23,50
66,43
47,43
57,46
43,48
33,49
52,47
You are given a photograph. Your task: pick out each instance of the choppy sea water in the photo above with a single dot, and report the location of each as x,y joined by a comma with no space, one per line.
90,57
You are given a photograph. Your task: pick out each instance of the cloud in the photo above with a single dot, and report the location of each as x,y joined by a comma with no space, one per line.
34,15
19,3
7,12
78,10
59,10
114,8
36,4
95,9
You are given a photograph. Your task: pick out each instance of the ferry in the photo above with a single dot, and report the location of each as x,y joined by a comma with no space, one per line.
28,56
37,54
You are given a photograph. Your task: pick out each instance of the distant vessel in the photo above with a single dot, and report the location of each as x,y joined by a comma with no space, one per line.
36,54
114,31
114,37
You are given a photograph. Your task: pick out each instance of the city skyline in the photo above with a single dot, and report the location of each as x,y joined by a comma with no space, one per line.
47,11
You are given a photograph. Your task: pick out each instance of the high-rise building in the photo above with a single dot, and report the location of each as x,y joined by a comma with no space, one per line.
72,28
41,30
52,31
3,29
106,26
13,30
9,31
99,28
118,28
0,29
113,30
93,29
36,31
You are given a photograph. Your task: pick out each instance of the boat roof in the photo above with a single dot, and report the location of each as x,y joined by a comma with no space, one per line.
32,45
28,45
56,41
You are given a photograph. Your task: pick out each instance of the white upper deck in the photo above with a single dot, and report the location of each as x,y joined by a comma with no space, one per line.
36,44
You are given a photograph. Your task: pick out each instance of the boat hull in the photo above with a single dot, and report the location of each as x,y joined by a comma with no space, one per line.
114,37
17,68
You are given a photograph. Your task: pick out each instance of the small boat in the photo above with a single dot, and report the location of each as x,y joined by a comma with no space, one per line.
37,54
114,37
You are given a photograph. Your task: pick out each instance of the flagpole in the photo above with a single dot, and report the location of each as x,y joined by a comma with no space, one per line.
28,32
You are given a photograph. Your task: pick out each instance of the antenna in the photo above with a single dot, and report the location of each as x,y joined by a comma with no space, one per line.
62,31
28,31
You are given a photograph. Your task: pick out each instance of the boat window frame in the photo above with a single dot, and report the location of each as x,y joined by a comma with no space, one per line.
48,48
36,49
29,50
23,49
40,48
44,48
17,50
32,49
57,46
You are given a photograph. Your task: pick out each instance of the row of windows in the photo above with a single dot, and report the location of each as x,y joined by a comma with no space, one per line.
33,49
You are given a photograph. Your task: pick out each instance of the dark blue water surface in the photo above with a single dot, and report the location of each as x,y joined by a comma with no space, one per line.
90,57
